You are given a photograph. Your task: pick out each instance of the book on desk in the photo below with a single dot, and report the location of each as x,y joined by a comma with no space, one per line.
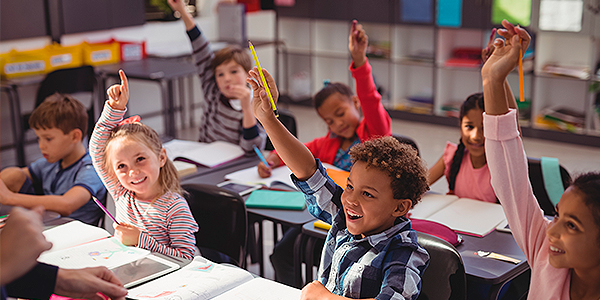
204,279
468,216
202,154
93,246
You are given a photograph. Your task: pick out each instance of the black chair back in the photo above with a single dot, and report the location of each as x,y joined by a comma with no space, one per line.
289,121
445,276
407,140
68,81
221,215
538,187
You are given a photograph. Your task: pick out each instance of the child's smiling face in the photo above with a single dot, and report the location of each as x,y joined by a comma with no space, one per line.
573,234
137,167
368,201
340,114
471,132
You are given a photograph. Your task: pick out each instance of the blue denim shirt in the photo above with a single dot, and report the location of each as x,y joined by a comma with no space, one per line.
387,265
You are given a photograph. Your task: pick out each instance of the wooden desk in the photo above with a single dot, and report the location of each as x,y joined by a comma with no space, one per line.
478,269
291,218
163,71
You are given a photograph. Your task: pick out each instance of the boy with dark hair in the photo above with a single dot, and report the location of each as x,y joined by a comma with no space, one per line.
227,112
371,250
64,180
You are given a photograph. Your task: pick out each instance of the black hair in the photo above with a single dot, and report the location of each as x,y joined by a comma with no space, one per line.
474,101
330,89
588,187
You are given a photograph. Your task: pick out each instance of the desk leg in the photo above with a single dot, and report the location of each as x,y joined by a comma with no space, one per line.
167,96
191,97
261,260
298,253
181,107
310,250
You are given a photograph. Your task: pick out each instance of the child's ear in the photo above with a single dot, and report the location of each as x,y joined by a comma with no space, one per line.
402,207
162,157
76,135
356,102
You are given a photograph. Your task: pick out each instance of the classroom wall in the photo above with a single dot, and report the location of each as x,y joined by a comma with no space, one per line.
162,38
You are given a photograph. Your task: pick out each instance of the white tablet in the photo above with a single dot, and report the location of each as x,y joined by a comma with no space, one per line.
239,188
143,269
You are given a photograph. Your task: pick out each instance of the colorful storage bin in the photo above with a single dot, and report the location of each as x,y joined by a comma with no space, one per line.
95,54
24,63
60,57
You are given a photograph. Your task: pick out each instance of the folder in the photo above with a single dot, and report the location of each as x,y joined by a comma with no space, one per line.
276,200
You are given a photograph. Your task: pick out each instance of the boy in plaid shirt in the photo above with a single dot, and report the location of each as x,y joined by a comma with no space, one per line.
371,250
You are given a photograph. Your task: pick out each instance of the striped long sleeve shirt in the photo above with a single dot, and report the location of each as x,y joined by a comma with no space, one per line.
220,122
167,224
387,265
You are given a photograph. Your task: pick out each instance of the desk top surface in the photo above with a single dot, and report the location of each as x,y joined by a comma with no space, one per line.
150,68
217,175
481,269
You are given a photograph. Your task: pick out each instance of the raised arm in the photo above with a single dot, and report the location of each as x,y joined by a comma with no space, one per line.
376,118
293,153
179,6
112,114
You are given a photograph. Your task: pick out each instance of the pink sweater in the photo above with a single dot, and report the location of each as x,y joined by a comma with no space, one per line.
470,182
508,167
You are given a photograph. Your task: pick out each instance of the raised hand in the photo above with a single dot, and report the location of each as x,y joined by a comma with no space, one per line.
489,48
506,53
118,94
177,5
357,44
261,105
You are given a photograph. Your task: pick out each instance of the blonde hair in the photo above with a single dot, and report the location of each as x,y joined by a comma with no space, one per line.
168,179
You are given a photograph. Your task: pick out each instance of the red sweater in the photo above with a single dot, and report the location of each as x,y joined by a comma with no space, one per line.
375,123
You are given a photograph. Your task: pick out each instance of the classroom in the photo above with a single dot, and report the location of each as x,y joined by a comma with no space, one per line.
423,60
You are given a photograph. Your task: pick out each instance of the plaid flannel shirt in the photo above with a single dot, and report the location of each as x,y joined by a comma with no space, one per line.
387,265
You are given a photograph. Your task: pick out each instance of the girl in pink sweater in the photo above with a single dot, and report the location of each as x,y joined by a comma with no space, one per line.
564,254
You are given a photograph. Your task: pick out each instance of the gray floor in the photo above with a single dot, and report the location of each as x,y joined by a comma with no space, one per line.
431,140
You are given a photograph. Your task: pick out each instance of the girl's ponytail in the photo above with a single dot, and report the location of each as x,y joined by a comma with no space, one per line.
455,166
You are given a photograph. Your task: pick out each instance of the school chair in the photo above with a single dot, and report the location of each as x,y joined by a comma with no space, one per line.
222,218
289,121
407,140
545,182
445,276
66,81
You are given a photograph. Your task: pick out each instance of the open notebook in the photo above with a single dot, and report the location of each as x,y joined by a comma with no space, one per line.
281,175
463,215
78,245
204,279
206,154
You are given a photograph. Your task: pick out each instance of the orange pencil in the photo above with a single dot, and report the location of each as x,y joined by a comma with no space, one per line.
521,84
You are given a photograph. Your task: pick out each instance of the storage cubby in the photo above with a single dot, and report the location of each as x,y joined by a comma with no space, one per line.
414,42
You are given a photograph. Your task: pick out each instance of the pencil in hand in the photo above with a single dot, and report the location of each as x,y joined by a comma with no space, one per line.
262,77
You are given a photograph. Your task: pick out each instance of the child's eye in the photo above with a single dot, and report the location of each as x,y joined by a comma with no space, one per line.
469,126
219,74
367,194
120,166
349,187
140,159
234,71
571,226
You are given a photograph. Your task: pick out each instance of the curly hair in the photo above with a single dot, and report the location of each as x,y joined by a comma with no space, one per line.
143,134
399,161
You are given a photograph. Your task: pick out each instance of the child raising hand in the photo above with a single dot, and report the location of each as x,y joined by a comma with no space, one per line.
134,167
563,253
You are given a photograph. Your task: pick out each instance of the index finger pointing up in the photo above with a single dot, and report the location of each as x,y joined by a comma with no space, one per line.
124,82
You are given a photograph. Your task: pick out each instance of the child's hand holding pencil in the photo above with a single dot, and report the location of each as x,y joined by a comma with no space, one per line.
261,102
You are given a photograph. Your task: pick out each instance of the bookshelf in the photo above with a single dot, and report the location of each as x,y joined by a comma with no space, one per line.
412,72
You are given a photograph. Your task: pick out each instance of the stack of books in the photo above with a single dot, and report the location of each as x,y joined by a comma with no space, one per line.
561,119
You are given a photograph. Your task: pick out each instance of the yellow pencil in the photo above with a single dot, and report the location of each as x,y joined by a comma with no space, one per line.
262,77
